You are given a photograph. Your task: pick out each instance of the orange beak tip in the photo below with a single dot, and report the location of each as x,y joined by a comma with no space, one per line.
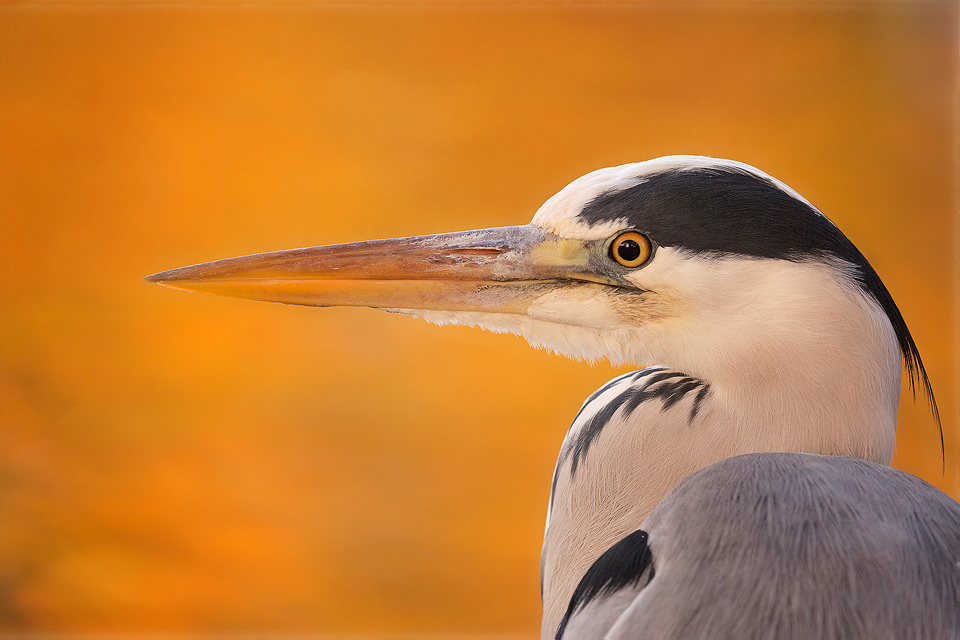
173,277
163,277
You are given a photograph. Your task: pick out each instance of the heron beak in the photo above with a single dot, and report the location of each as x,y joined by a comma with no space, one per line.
500,270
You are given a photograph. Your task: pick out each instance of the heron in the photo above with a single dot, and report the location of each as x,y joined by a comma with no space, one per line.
753,441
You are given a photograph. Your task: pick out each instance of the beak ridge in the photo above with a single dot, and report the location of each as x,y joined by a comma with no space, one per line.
485,270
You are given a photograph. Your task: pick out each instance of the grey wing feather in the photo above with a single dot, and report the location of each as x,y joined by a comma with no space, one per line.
794,546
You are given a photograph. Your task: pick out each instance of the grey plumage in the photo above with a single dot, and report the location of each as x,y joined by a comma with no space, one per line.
790,546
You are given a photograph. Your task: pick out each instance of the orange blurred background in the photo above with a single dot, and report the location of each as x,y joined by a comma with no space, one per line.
187,463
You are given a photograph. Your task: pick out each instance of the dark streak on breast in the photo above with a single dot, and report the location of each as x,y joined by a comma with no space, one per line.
653,383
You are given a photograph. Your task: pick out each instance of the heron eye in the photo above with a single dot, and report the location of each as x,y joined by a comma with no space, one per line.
631,249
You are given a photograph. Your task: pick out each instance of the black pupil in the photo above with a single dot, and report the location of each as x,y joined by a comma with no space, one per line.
629,250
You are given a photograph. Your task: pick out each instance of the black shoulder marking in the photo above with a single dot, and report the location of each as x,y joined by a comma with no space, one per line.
649,384
728,210
624,564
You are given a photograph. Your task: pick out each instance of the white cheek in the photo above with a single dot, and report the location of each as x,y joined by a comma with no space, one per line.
575,306
675,270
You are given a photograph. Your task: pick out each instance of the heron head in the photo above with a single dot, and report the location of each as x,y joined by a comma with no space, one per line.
690,261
